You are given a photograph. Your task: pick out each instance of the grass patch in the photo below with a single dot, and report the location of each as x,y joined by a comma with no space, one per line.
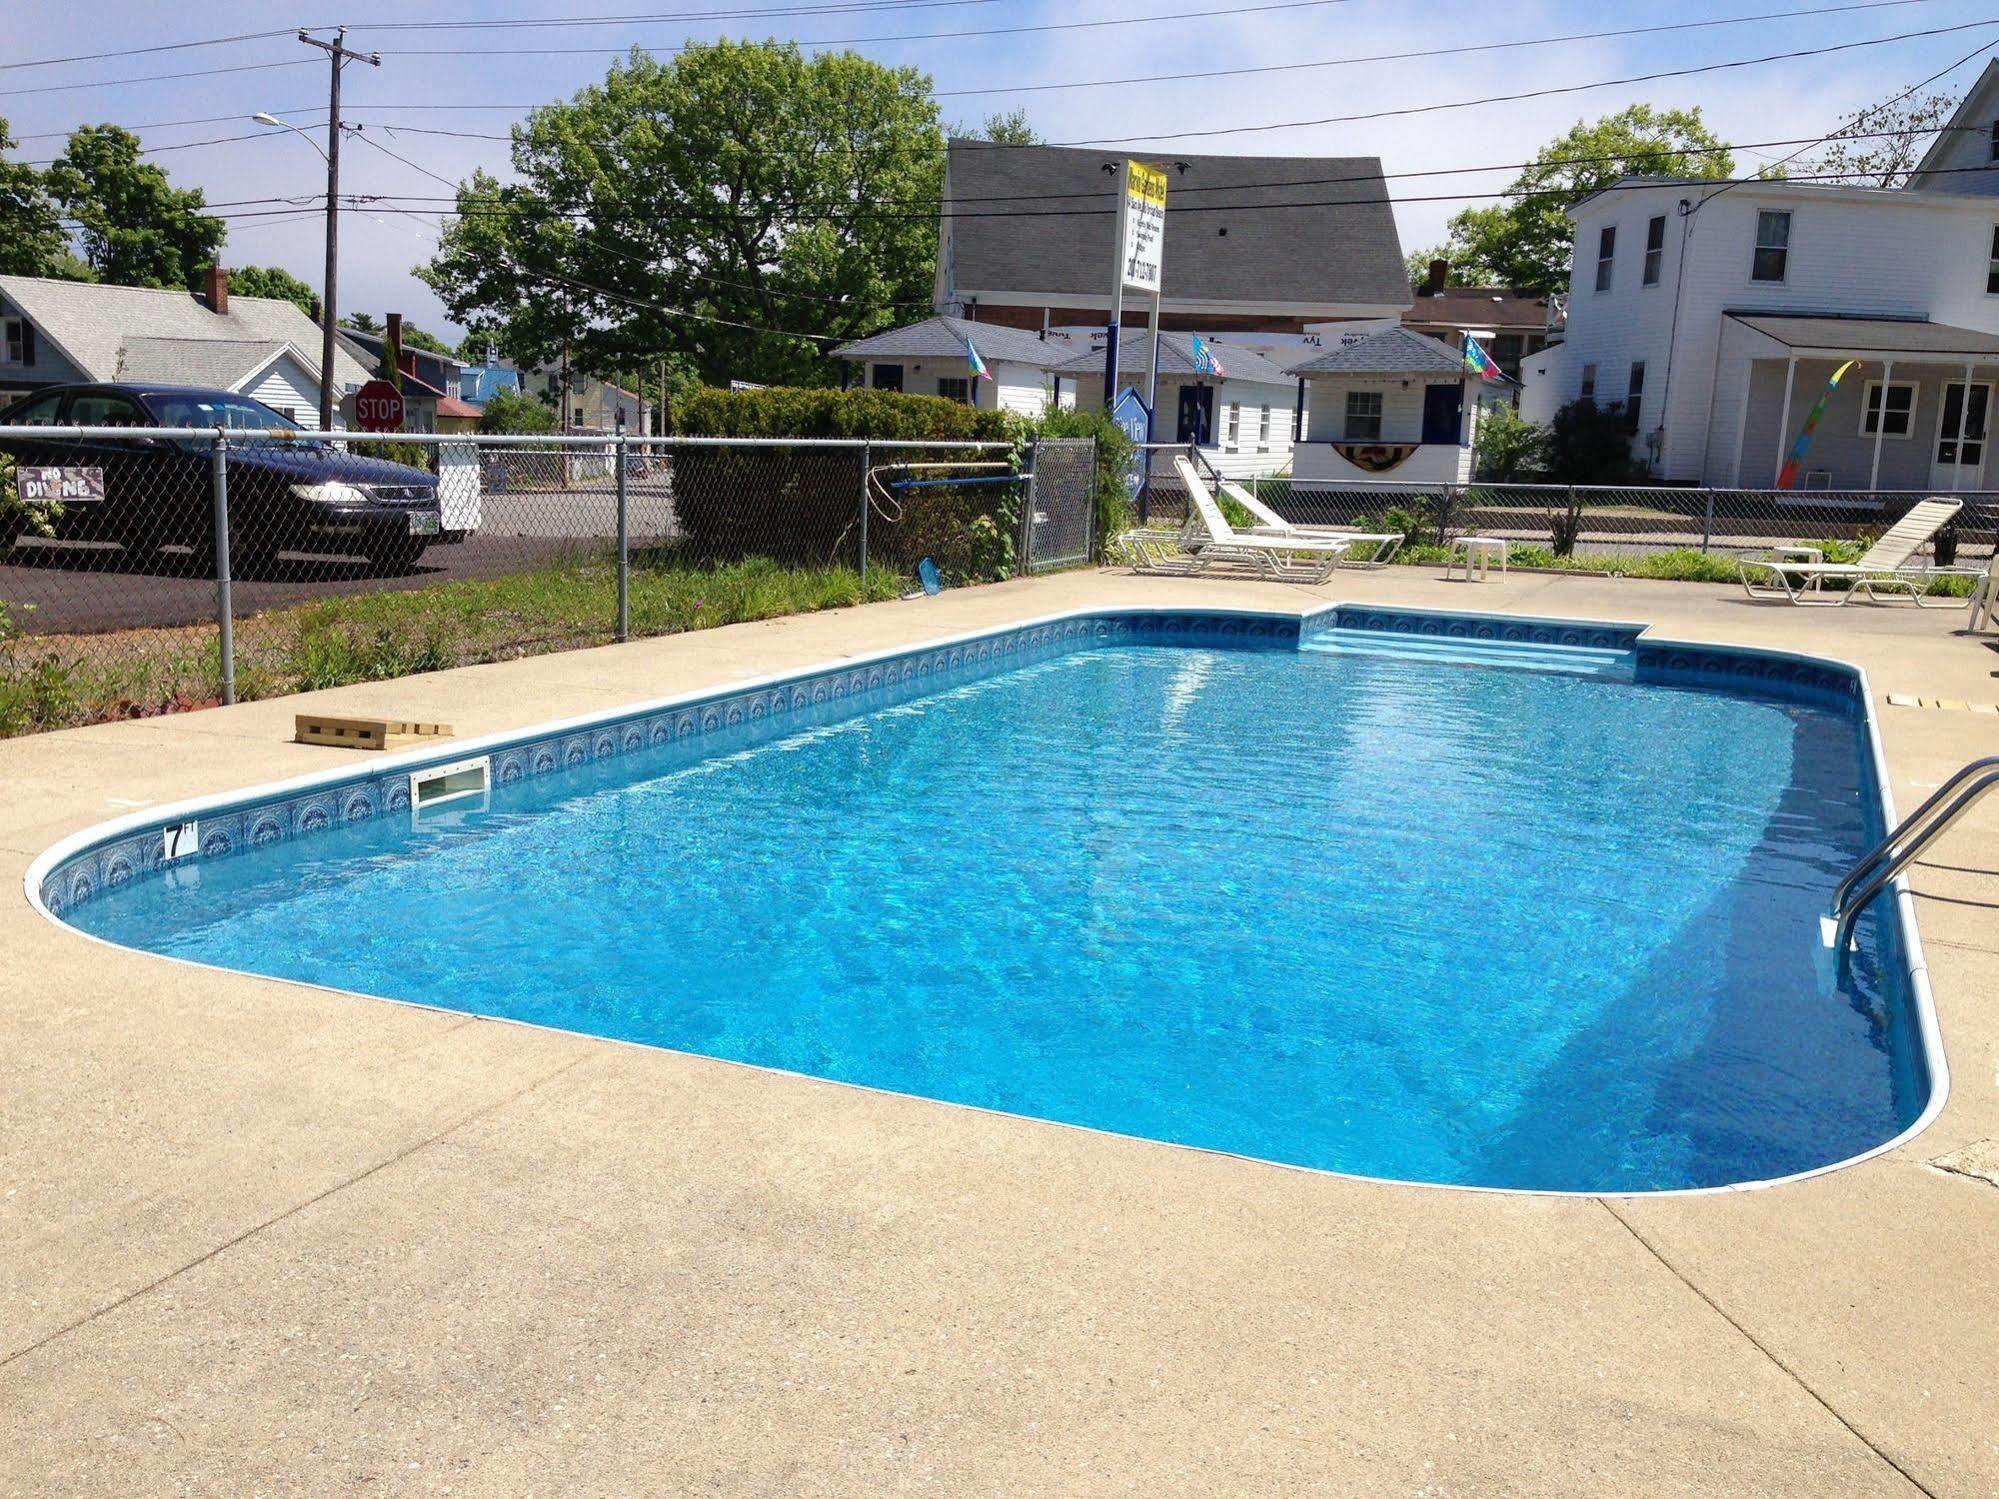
51,682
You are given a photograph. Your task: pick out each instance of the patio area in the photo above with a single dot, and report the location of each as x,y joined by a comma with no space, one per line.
267,1238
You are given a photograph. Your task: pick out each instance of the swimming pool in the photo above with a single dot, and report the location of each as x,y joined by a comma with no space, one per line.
1479,902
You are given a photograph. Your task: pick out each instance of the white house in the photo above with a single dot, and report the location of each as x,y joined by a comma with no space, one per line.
1714,314
930,359
63,332
1386,405
1241,416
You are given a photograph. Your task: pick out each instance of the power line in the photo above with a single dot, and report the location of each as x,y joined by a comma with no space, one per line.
1467,48
665,18
61,88
913,36
213,41
1538,93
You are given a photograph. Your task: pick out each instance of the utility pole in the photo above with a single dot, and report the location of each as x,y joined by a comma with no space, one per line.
338,55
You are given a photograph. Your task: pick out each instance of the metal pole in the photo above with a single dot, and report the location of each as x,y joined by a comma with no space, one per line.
624,540
1880,422
867,467
1117,284
1784,418
1707,523
225,609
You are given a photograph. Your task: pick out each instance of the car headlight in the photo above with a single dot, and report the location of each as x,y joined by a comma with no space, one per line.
332,493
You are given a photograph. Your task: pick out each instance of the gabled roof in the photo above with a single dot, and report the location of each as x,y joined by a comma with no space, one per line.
218,363
945,338
1314,232
1176,357
1973,112
90,324
1869,335
1393,351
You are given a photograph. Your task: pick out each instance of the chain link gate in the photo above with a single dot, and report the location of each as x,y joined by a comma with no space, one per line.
1059,516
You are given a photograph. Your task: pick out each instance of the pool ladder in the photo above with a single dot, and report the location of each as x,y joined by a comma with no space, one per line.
1911,836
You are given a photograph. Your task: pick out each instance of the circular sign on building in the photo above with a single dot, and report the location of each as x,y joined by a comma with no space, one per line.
378,407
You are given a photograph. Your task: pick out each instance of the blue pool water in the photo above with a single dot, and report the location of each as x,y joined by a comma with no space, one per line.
1439,920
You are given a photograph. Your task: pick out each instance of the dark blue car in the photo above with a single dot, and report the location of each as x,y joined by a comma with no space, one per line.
285,494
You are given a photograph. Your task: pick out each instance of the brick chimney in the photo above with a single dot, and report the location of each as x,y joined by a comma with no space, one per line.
1440,271
215,287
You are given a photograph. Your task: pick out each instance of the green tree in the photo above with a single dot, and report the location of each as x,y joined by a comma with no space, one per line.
1009,129
134,226
515,411
271,281
1524,241
738,183
361,322
31,237
415,338
1890,150
1510,449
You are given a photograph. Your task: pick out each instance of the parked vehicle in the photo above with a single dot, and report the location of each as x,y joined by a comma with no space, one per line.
285,493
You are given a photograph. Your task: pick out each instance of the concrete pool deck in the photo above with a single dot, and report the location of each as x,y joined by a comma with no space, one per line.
260,1238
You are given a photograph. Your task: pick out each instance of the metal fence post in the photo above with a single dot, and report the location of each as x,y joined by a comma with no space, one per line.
624,538
1707,523
867,466
225,610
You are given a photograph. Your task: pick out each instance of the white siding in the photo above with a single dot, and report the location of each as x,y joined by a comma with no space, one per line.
1883,254
288,386
1016,387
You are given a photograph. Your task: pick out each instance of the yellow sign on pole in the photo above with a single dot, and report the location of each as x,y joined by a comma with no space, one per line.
1144,218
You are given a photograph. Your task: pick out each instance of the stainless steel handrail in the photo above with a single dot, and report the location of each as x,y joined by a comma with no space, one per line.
1910,837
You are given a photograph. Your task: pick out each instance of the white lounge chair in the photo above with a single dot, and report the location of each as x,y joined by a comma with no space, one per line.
1211,544
1385,544
1799,574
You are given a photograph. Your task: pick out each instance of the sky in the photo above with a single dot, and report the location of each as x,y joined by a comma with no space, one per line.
503,71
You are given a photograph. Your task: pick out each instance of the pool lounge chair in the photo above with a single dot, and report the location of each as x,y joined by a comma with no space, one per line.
1385,544
1799,574
1209,544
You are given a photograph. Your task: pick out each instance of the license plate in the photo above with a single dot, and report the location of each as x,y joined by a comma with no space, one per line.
422,524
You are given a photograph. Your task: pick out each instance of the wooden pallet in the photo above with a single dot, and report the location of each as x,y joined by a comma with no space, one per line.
366,733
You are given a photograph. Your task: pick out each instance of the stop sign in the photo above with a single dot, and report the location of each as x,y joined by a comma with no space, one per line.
379,407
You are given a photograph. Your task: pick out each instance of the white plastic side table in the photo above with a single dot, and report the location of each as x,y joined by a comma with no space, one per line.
1479,550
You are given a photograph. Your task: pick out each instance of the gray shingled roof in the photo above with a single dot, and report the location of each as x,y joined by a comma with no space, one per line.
944,338
1393,351
1227,237
90,323
1860,335
220,362
1176,357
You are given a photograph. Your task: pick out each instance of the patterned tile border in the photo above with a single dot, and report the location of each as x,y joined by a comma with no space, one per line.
1500,628
817,696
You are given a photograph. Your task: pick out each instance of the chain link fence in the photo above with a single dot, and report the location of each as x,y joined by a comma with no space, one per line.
1613,523
144,570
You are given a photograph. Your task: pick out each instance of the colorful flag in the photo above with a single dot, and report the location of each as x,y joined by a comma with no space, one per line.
1479,362
1205,362
1789,475
979,370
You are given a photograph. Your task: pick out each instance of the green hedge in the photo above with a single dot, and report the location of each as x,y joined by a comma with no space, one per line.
803,505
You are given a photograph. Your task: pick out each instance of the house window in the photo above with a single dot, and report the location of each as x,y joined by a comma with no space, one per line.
1899,404
1958,417
1606,251
1995,141
1363,416
1992,266
1235,424
576,417
1773,246
955,388
1634,395
1507,349
1587,390
886,377
1263,429
1655,248
13,341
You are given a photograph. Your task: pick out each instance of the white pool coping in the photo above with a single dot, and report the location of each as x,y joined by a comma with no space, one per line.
1916,969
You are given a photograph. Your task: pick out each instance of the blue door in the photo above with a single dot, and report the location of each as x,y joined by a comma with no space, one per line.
1443,413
